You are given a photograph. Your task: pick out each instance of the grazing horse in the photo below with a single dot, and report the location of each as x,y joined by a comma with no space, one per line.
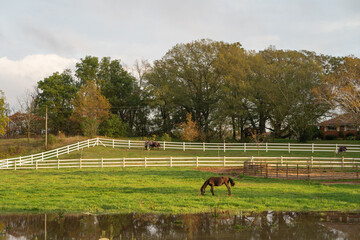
151,144
217,181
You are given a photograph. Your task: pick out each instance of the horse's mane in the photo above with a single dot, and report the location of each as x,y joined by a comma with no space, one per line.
232,182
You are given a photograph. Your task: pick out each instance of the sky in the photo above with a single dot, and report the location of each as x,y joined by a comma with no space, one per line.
40,37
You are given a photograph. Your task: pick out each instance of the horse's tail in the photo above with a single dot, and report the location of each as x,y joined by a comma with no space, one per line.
232,182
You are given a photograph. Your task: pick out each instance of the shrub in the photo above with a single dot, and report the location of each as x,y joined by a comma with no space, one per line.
114,127
166,137
341,134
350,134
52,139
330,137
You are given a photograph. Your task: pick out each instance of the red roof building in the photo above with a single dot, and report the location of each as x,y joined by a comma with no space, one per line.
343,123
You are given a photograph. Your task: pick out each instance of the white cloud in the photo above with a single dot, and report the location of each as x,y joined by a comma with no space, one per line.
17,76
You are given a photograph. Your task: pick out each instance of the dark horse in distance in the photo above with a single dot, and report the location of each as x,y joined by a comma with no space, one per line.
151,144
217,181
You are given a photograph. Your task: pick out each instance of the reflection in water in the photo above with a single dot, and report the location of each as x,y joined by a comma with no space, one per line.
265,225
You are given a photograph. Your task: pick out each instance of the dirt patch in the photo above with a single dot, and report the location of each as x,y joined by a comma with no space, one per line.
291,173
230,171
337,182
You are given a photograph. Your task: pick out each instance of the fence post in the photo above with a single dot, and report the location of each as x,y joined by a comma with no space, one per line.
267,173
224,161
123,162
244,147
145,162
102,162
289,146
184,146
80,163
57,153
15,164
281,161
129,144
113,142
164,145
20,161
224,146
297,171
170,161
197,161
266,146
36,165
312,148
336,148
58,163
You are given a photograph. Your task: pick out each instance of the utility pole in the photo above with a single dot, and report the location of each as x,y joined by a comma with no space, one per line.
46,127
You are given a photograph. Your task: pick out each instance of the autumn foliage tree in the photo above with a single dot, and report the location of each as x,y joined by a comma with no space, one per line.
189,130
90,108
343,88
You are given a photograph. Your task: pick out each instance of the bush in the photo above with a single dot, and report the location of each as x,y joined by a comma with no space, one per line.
350,134
330,137
114,127
341,134
166,137
52,139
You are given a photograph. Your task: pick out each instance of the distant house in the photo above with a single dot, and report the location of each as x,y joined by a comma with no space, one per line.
343,124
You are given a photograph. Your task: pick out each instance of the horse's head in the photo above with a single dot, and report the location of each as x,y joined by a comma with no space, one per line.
232,182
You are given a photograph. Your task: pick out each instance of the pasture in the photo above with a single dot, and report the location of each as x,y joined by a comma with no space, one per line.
162,190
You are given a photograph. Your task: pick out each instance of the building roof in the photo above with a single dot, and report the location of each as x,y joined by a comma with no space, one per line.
341,120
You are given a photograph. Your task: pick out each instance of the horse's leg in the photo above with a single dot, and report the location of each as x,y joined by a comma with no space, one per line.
228,187
212,189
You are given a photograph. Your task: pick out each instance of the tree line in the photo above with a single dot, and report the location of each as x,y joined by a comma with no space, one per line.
225,89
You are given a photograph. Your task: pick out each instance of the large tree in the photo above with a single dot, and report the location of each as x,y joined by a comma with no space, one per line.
294,77
57,92
342,88
233,64
195,82
119,87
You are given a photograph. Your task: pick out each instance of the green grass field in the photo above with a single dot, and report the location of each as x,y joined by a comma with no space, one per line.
162,190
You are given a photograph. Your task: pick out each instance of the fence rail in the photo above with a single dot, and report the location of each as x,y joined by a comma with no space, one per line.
184,146
269,162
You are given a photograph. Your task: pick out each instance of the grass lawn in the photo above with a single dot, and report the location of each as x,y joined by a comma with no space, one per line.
161,190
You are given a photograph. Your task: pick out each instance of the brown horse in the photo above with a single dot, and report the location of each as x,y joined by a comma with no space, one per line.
217,181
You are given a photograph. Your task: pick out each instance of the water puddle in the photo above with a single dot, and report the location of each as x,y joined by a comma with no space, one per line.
264,225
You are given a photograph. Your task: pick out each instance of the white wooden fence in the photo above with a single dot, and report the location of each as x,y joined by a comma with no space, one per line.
313,162
184,146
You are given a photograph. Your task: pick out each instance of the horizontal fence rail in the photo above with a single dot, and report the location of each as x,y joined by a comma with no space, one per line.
302,162
184,146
